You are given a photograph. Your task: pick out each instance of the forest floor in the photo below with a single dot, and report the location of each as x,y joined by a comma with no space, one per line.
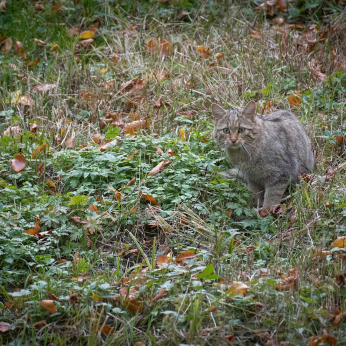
116,226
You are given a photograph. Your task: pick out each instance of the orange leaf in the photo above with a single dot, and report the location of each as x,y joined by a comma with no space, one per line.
158,45
149,198
182,134
340,242
117,196
49,306
212,63
18,163
158,168
92,208
170,152
51,183
36,228
294,101
163,259
134,126
134,306
86,95
203,53
131,182
185,255
340,139
116,58
106,330
39,149
218,55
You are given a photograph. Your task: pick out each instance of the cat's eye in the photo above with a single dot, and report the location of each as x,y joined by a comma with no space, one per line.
241,130
225,130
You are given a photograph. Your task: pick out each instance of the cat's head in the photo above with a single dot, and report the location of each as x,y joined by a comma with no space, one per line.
234,128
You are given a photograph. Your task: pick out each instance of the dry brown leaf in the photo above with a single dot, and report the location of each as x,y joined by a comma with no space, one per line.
149,198
38,149
18,163
52,296
39,6
238,288
288,283
162,293
131,182
315,69
73,299
170,152
158,104
40,169
116,58
106,330
185,255
40,324
34,128
87,43
49,306
213,63
135,83
159,46
278,20
230,339
203,52
92,208
159,151
183,15
19,50
158,168
56,6
218,55
73,31
8,45
139,343
69,143
3,5
135,126
36,228
163,259
13,131
320,254
87,95
134,305
94,27
340,242
41,88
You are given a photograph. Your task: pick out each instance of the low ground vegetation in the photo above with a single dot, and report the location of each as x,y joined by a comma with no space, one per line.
117,226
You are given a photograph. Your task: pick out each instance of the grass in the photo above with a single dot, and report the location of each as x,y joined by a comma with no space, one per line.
119,269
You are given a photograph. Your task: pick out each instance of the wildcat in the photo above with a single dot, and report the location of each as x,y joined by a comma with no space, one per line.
268,152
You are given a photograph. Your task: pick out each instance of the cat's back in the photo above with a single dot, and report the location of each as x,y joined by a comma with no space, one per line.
280,117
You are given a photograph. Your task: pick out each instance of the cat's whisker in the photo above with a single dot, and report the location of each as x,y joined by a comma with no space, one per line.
247,150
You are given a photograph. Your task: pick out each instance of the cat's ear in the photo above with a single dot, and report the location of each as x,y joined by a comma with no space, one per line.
218,111
250,110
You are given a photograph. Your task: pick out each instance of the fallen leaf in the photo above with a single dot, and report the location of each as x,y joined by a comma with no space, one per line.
8,45
320,254
131,182
38,149
162,293
39,42
4,327
340,139
40,324
203,53
33,63
49,306
87,95
238,288
94,27
230,339
116,58
3,5
135,83
294,101
73,31
315,69
340,242
53,47
159,151
158,168
98,138
182,134
85,35
13,131
51,183
39,6
139,343
18,163
218,55
278,20
134,305
159,46
135,126
288,283
185,255
96,298
149,198
19,50
92,208
41,88
87,43
56,6
52,296
163,259
106,330
36,228
170,152
69,143
73,300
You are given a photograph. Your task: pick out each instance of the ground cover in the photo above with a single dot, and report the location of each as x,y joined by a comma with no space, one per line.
116,224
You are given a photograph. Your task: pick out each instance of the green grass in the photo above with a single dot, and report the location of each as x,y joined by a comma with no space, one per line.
99,256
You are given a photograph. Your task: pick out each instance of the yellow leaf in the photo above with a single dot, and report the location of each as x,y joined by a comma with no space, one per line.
14,97
86,35
96,298
39,149
51,183
104,70
48,305
238,288
340,242
182,135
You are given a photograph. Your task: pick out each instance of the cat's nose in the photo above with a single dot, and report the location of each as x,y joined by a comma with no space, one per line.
233,140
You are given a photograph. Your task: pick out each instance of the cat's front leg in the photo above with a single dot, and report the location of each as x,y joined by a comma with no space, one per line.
257,194
234,173
273,194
